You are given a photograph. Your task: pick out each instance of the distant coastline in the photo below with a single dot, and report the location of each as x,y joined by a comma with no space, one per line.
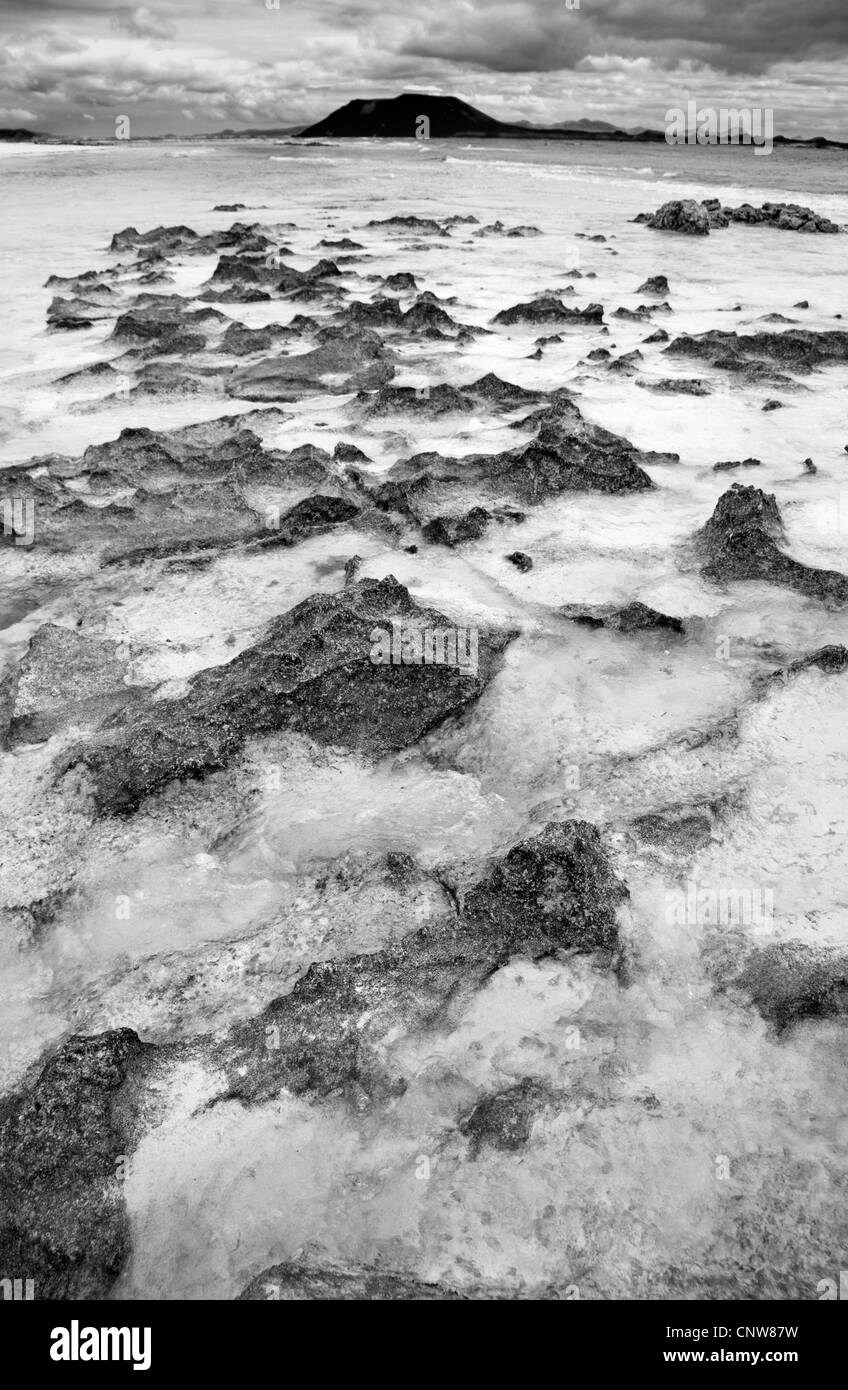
403,117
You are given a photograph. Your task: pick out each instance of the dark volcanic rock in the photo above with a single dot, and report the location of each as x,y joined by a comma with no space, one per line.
310,517
419,400
656,284
798,349
675,385
567,455
63,1222
690,216
740,541
324,669
791,981
633,617
504,394
548,309
730,464
680,215
521,561
553,892
400,281
428,320
659,336
348,361
63,679
454,530
302,1283
421,225
504,1120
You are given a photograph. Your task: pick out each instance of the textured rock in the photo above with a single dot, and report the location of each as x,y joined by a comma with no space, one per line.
553,892
798,349
548,309
63,679
792,981
62,1217
633,617
302,1283
680,215
740,541
315,671
343,363
504,1120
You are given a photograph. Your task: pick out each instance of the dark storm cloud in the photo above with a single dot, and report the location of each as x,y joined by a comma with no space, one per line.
192,64
540,36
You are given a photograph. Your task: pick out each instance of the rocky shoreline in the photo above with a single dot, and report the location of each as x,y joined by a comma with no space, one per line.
359,974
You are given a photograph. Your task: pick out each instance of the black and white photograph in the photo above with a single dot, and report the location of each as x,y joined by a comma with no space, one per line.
424,661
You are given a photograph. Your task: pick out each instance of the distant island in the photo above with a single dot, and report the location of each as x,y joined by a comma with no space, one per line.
449,118
419,114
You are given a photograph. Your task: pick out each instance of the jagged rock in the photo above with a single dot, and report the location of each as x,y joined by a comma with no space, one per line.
638,315
809,466
740,541
346,363
773,405
675,385
567,455
798,349
310,517
553,892
421,225
504,394
627,362
548,309
699,217
62,1216
633,617
736,463
402,280
241,341
375,313
301,1283
64,678
598,355
427,319
679,215
342,244
659,336
791,981
322,669
428,400
655,284
504,1120
454,530
521,561
787,217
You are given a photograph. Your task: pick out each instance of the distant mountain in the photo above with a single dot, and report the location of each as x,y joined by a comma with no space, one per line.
18,133
398,118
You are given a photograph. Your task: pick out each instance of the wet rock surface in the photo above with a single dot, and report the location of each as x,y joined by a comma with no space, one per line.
742,540
554,892
62,1216
308,874
327,669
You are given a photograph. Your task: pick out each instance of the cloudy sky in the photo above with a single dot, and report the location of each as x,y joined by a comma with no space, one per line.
73,66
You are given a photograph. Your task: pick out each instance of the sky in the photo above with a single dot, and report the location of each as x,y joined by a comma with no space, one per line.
75,67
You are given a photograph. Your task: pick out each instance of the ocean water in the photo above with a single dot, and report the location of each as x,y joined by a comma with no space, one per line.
612,1193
